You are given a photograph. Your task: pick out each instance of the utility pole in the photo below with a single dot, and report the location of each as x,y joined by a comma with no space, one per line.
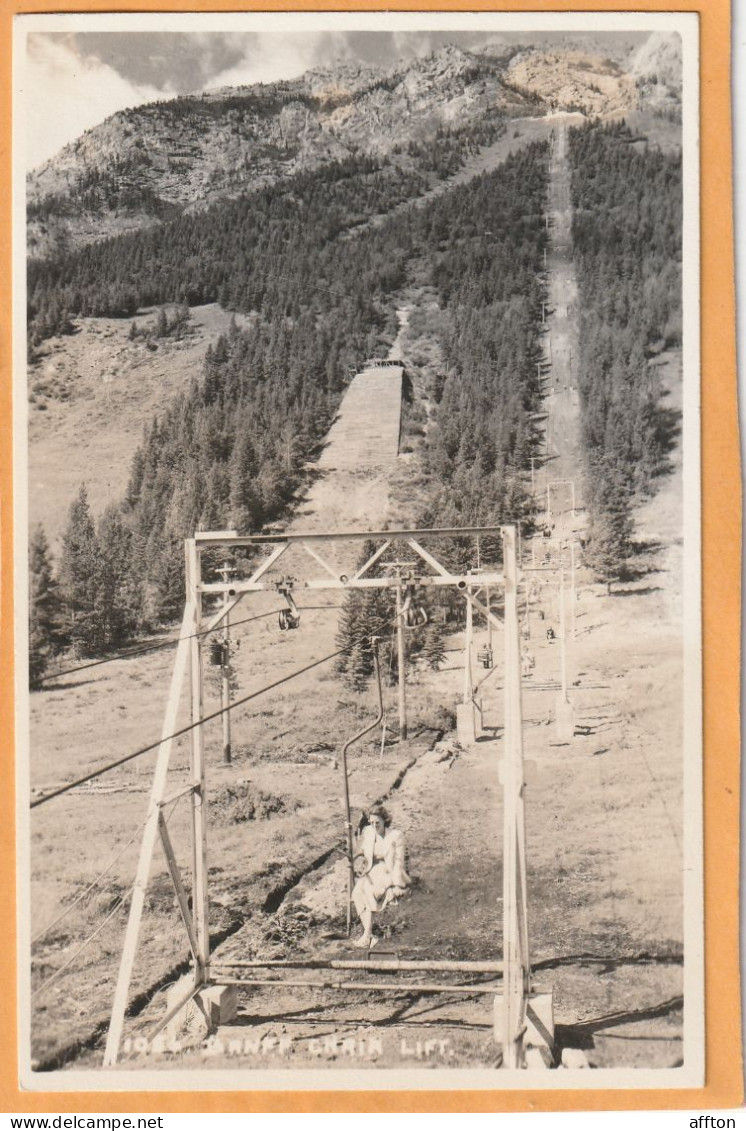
564,715
199,799
515,926
226,571
401,659
573,597
468,677
487,598
563,626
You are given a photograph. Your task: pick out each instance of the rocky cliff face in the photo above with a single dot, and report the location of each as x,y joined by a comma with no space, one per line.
657,70
140,166
574,80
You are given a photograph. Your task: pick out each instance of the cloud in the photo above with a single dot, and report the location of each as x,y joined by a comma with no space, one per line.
74,81
66,93
271,57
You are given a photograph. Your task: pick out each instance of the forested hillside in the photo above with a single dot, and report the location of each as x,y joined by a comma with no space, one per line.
271,251
232,451
321,297
627,235
483,245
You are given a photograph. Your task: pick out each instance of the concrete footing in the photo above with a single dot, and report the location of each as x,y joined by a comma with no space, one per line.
466,723
539,1022
220,1004
564,719
213,1006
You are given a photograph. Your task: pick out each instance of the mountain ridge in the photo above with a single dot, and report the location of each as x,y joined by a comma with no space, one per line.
141,166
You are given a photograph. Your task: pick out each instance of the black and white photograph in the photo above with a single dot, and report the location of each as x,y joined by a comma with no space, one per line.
357,526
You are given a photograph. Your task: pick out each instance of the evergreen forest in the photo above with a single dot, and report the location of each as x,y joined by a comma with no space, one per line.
317,285
627,224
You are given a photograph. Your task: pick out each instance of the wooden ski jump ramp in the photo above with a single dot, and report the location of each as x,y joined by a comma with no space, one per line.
366,430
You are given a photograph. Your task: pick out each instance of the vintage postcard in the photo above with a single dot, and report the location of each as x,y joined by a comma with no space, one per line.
365,382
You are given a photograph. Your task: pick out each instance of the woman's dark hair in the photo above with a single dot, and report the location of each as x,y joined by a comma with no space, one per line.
382,812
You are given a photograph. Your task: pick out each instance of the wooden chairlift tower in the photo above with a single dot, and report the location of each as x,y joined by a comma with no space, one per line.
515,1006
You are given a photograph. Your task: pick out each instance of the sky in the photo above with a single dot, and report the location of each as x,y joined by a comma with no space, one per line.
73,80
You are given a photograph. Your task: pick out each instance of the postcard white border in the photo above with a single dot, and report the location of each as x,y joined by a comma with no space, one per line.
691,1074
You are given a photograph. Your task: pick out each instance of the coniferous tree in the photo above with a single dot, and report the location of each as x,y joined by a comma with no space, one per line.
627,247
433,648
610,530
80,579
45,609
121,579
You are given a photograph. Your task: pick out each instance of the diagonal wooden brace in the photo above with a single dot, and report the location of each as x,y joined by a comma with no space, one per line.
181,894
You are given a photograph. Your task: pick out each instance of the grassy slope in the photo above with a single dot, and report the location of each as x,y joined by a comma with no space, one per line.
91,395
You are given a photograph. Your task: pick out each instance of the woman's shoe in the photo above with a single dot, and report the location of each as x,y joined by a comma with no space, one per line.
366,942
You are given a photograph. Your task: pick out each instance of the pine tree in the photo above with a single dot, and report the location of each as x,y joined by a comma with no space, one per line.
121,579
358,667
80,579
365,615
433,648
45,610
610,529
161,325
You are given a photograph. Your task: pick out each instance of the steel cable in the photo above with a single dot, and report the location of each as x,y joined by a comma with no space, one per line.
45,985
79,899
169,643
117,907
178,733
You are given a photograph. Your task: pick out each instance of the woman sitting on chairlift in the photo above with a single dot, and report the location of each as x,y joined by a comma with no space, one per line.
379,864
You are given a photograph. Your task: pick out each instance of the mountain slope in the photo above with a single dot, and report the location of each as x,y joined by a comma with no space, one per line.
140,165
144,165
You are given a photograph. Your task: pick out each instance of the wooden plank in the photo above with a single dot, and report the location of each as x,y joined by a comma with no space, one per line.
176,1008
318,558
273,557
150,833
222,613
513,1013
198,810
379,965
372,560
363,583
181,894
358,535
428,557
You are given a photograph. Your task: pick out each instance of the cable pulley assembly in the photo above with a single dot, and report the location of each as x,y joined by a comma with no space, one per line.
414,615
288,618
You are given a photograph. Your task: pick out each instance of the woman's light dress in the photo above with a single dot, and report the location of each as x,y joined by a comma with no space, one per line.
386,875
